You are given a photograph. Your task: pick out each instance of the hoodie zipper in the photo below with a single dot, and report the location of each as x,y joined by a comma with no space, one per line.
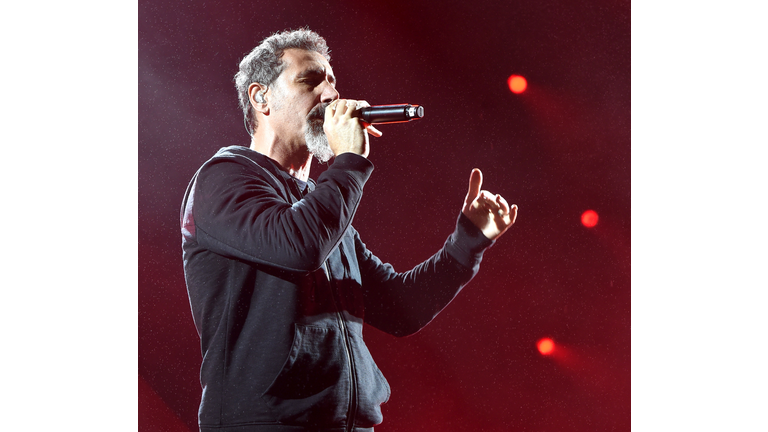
352,410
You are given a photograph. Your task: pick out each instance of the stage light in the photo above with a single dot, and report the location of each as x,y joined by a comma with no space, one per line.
546,346
589,218
517,84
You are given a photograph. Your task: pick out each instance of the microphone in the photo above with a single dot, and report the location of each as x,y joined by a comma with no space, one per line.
381,114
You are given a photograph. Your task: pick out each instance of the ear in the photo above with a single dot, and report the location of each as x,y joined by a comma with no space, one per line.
257,96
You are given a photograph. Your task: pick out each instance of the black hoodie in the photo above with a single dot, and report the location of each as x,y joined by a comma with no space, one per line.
280,284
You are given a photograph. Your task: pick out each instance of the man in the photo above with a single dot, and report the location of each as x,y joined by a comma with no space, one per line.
279,281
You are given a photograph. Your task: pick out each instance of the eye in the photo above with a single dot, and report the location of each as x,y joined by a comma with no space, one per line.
312,80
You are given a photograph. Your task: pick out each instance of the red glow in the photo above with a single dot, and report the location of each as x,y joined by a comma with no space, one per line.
589,218
546,346
517,84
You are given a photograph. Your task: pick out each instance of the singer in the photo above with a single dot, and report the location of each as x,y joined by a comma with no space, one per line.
279,281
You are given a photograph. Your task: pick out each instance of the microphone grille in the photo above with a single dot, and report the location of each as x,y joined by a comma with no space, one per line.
415,111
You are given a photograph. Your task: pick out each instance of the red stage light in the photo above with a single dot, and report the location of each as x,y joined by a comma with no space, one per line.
546,346
517,84
589,218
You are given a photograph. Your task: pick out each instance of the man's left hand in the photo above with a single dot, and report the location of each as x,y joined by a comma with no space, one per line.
489,212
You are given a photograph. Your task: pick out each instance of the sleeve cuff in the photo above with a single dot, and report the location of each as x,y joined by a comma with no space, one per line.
467,243
360,167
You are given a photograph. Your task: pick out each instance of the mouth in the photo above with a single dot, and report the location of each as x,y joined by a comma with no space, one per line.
318,112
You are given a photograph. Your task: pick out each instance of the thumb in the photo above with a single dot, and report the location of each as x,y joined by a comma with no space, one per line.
475,182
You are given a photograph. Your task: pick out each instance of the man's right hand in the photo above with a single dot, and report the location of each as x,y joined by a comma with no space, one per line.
346,132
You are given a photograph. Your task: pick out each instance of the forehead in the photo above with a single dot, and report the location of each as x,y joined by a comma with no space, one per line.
299,60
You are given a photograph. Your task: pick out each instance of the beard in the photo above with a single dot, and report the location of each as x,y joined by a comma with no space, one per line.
317,142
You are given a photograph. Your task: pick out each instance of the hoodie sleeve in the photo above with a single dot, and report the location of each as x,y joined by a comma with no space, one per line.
403,303
238,212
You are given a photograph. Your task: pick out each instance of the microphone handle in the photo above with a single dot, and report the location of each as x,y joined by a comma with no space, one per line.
381,114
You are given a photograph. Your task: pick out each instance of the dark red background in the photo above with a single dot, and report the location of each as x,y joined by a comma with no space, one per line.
560,148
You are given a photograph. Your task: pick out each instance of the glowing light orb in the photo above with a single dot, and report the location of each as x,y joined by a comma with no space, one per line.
517,84
589,218
546,346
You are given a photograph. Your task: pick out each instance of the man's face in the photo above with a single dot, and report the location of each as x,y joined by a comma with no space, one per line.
299,95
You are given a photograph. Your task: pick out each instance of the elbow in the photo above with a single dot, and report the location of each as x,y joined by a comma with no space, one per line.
405,332
308,259
405,328
314,262
305,262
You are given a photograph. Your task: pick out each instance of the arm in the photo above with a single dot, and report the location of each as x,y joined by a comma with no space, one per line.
240,213
403,303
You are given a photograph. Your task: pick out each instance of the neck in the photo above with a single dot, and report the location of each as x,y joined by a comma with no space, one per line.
294,158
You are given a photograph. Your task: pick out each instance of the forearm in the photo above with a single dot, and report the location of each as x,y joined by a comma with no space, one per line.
403,303
243,213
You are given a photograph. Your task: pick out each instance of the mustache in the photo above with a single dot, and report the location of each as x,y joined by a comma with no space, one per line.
318,112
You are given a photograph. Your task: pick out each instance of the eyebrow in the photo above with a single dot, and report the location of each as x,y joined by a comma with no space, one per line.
316,72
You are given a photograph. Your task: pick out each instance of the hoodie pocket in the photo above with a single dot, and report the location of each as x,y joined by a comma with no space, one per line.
313,386
373,389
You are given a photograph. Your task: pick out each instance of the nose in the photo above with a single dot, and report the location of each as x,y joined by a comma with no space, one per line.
330,93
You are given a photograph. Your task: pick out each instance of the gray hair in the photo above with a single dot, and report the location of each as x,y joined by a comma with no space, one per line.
264,64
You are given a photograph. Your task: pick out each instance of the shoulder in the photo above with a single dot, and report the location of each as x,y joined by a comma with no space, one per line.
239,160
238,169
238,154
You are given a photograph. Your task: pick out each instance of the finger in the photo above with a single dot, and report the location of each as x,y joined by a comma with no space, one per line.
330,110
372,130
493,204
354,110
338,107
488,200
475,182
485,203
502,203
512,214
350,108
341,107
510,211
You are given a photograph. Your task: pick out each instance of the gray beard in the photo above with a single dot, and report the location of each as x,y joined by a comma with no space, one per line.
317,142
